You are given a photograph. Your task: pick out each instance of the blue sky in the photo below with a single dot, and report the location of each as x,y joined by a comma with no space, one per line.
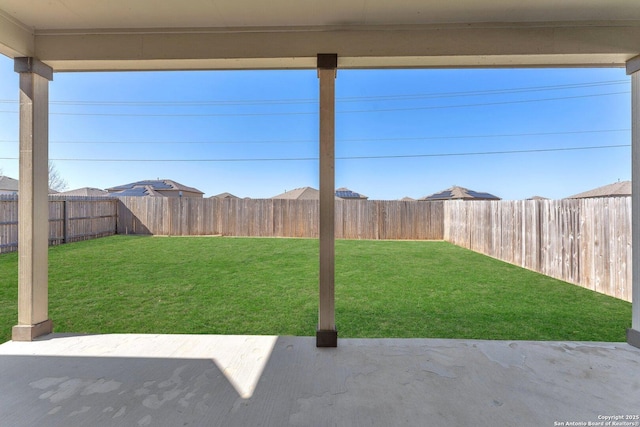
398,132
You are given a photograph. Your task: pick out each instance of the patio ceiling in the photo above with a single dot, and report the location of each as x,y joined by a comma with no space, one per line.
146,34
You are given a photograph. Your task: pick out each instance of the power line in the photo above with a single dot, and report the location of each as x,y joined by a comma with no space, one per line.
489,92
484,153
303,113
302,141
396,97
284,159
486,104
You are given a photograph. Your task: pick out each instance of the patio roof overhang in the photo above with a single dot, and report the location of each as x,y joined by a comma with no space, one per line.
98,35
83,35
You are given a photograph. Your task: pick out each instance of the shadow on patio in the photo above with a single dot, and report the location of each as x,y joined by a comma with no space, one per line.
214,380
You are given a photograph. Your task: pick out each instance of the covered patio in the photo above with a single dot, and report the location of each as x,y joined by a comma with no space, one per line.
52,379
92,35
213,380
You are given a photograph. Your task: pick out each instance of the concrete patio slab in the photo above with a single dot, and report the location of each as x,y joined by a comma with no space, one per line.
211,380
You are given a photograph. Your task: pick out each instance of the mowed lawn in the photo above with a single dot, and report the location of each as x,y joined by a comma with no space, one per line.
215,285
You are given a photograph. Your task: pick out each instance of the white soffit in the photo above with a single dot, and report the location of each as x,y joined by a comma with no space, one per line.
145,14
150,34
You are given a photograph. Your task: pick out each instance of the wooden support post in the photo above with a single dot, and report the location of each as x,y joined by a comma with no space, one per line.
326,334
33,201
633,68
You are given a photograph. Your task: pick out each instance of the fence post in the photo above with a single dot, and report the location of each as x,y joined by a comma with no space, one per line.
65,221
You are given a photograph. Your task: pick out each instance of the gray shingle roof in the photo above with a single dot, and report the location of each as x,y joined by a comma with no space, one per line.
460,193
133,192
617,189
304,193
345,193
8,184
156,185
310,193
85,191
224,196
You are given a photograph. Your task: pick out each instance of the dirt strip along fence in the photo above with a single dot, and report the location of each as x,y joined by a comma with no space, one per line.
355,219
586,242
71,219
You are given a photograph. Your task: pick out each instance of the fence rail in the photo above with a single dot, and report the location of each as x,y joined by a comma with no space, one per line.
71,219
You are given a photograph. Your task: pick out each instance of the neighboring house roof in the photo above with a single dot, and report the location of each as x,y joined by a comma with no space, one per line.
224,196
304,193
537,198
11,186
617,189
152,188
8,185
460,193
407,199
310,193
140,191
345,193
85,191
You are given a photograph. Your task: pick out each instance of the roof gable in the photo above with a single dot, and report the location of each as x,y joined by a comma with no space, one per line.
138,191
345,193
304,193
460,193
155,185
8,184
617,189
85,191
224,195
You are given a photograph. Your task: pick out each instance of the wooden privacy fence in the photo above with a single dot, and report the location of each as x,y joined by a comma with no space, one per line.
582,241
586,242
357,219
71,219
8,223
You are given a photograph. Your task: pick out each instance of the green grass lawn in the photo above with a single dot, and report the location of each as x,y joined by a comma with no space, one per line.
269,286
